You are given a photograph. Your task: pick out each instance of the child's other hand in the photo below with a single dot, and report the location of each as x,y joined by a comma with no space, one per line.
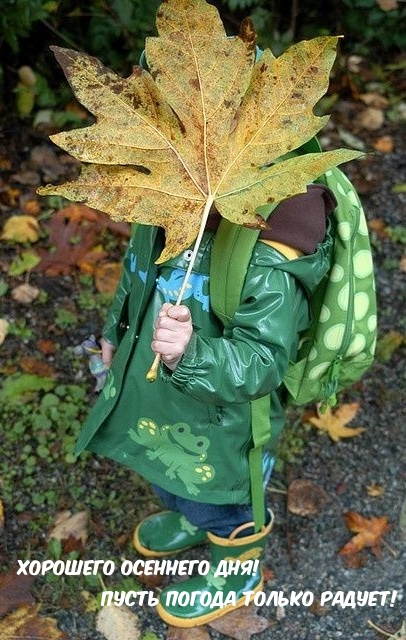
108,350
173,330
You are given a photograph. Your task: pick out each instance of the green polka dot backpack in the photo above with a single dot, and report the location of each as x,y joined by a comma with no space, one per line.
340,343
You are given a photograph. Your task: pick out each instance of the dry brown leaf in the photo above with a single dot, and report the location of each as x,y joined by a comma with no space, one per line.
118,623
15,591
31,207
384,144
75,232
402,264
379,227
204,127
38,368
106,277
1,516
192,633
335,423
70,530
318,609
26,623
241,623
369,533
306,498
21,229
47,347
25,293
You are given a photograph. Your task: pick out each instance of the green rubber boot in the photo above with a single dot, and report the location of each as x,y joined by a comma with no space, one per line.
166,533
204,598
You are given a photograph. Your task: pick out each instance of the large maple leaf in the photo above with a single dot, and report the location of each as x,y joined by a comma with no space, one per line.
207,125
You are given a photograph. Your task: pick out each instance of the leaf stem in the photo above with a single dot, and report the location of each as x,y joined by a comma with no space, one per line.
152,374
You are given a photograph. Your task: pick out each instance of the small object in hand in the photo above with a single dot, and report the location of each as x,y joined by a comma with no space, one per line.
98,369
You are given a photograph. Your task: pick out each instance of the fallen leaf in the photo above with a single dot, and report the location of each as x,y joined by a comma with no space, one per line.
268,574
75,232
88,264
1,516
31,207
25,293
379,227
70,530
388,344
375,490
107,276
37,367
154,157
4,325
47,347
306,498
26,623
192,633
15,591
369,533
402,264
355,560
317,609
241,623
21,229
118,623
384,144
335,423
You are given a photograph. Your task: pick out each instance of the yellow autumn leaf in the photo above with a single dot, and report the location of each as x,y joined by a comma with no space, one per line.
21,229
335,423
207,125
25,622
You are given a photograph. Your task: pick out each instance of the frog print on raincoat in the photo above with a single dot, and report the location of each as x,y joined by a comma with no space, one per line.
182,452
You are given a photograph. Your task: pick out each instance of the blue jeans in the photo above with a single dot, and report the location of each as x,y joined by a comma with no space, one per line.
220,519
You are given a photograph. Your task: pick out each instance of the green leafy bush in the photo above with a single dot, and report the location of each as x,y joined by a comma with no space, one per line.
18,16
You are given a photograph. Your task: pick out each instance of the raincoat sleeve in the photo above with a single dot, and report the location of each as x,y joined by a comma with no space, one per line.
251,357
118,309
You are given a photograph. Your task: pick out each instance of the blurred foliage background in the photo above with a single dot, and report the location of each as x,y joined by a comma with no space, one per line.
115,32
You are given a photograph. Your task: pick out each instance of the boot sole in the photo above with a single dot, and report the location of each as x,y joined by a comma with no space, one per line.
176,621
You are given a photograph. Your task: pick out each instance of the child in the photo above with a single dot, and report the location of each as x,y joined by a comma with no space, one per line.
189,432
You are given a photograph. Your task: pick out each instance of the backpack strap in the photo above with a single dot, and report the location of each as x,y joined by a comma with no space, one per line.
231,254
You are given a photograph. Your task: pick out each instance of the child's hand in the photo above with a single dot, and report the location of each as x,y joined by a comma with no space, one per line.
173,330
108,350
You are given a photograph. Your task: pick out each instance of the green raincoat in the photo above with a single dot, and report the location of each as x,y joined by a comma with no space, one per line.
189,431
